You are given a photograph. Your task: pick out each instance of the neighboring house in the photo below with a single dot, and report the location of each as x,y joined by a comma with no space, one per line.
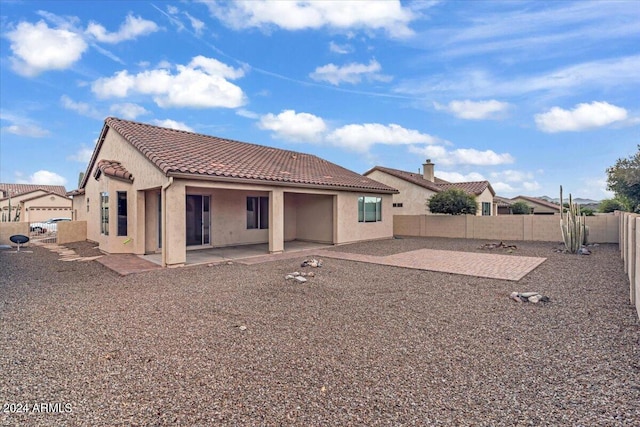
503,205
416,189
31,202
149,189
538,206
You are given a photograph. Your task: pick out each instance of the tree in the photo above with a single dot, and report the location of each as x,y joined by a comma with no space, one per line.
453,201
520,208
610,205
623,179
587,211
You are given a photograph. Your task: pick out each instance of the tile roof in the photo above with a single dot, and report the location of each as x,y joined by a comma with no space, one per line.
502,202
15,189
541,202
180,153
113,169
414,178
474,187
50,193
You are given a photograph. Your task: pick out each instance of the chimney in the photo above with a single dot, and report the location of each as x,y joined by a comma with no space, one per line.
428,173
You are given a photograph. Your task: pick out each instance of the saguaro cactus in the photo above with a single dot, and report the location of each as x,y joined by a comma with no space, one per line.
572,224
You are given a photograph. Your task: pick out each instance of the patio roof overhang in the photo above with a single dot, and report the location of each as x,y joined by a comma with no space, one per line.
235,180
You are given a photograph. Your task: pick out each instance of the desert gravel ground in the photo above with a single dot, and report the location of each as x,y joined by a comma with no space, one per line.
358,345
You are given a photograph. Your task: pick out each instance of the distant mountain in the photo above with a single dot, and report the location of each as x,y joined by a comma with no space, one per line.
576,200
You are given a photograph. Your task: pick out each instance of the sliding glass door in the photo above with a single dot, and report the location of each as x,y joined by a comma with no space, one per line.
198,220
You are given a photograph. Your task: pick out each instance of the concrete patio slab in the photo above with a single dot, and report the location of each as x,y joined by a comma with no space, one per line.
125,264
246,253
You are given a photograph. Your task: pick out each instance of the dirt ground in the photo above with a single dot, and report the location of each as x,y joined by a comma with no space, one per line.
358,344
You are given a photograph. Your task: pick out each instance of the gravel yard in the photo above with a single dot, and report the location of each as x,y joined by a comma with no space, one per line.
359,344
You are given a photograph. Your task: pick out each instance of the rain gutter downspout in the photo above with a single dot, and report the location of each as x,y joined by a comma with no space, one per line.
164,220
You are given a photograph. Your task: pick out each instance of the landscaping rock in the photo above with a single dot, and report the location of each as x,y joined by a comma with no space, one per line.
532,297
584,251
311,263
300,279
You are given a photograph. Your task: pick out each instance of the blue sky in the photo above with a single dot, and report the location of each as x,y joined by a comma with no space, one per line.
528,95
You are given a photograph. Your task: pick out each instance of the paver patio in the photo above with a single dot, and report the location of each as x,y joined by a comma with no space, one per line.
493,266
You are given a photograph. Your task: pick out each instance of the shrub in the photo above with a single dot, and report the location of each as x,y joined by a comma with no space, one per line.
520,208
453,202
587,211
610,205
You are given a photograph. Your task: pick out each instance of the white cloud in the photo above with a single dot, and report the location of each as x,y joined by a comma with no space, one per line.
45,178
351,73
128,110
22,126
37,48
341,49
197,25
596,74
459,177
462,156
360,137
81,108
83,155
388,15
513,181
243,112
531,186
172,124
130,29
502,187
550,30
294,126
510,175
595,188
305,127
582,117
30,131
203,83
475,110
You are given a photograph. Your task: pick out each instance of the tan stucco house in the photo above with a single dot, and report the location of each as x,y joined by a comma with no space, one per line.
414,189
149,189
33,202
538,206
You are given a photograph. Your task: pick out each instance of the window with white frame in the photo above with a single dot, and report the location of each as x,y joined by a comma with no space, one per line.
104,213
257,213
369,209
486,208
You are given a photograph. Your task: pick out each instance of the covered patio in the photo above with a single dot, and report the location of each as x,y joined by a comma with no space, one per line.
247,253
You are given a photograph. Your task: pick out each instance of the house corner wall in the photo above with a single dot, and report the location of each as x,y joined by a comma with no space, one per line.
350,230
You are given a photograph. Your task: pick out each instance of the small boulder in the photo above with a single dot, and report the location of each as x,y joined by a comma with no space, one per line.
584,251
300,279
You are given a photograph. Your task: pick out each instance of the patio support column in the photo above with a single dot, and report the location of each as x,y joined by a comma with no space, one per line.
276,221
174,241
139,217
